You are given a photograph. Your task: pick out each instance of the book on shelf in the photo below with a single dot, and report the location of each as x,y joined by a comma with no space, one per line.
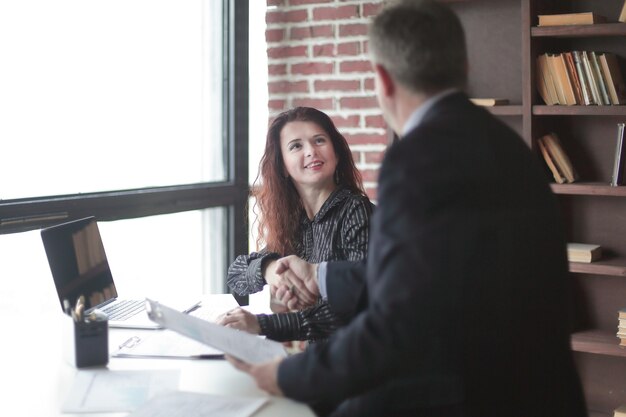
597,73
582,77
583,252
613,76
622,15
620,411
546,86
621,314
556,159
618,163
557,78
573,76
488,102
593,83
566,19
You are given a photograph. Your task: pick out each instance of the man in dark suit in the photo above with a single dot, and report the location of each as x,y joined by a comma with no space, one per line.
462,307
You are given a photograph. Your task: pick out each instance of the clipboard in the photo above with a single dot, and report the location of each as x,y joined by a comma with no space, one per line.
241,345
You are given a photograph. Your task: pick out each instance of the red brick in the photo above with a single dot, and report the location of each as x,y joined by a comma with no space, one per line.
320,31
277,69
287,51
372,193
375,121
350,121
291,16
356,66
274,35
374,157
366,139
349,48
353,29
301,2
308,68
318,103
369,175
368,102
327,49
370,9
356,156
276,104
275,2
277,87
369,84
335,13
366,47
337,85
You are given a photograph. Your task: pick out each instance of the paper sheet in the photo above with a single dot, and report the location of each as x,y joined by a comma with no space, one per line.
245,346
117,391
185,404
166,344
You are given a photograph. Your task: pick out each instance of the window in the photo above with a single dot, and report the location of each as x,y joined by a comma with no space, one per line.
134,111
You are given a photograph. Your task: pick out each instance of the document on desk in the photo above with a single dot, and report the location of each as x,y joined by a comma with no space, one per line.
105,391
185,404
165,344
245,346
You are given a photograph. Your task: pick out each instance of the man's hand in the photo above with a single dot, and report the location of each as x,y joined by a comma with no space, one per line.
265,374
298,285
240,319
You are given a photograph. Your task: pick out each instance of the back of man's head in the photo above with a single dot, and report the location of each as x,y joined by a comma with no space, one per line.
421,44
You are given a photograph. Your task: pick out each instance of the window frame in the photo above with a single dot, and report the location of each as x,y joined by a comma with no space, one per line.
19,215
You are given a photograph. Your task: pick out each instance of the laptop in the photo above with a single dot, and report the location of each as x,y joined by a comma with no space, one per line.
79,266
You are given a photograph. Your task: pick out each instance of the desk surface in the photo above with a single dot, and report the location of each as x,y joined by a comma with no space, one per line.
37,378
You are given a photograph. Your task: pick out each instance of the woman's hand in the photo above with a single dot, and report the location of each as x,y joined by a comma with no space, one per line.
240,319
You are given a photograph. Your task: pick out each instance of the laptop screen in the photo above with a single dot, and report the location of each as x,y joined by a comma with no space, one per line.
78,262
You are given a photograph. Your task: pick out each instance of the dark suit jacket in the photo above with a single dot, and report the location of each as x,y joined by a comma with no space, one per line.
465,304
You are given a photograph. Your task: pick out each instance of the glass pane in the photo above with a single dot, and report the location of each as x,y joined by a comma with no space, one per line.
111,95
152,256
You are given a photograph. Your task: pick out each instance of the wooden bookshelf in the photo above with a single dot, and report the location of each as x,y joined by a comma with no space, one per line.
580,31
598,342
587,188
503,41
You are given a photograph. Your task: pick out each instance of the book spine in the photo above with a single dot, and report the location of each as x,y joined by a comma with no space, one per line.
600,79
582,76
592,81
618,164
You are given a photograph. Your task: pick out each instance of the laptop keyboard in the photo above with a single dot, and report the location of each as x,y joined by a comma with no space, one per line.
124,309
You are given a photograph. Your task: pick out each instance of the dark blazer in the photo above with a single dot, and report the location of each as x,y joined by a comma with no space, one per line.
465,303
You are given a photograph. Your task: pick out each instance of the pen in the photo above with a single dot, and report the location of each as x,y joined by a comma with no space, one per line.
207,356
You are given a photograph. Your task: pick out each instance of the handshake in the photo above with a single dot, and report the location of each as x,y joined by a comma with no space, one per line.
294,283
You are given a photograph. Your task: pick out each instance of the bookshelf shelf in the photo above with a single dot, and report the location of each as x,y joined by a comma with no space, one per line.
543,110
609,267
509,110
598,342
589,188
579,31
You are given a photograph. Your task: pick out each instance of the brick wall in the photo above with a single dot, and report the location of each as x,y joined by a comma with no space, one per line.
317,57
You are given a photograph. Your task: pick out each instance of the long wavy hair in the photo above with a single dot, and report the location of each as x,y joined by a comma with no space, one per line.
278,206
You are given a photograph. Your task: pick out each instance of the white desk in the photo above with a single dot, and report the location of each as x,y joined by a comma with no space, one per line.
36,379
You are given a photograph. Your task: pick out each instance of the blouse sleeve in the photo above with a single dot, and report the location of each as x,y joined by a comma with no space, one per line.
245,275
355,230
314,323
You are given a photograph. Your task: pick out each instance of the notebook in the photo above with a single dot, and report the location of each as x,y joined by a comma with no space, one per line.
79,266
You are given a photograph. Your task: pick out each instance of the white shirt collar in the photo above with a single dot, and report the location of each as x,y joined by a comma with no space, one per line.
418,114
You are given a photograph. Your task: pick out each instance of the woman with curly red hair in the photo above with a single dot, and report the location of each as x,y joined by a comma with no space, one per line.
311,203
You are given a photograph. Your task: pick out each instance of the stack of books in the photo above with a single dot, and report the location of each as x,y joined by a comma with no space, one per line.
556,159
583,252
621,410
580,78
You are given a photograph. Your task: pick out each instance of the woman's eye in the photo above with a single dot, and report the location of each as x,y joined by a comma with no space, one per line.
294,146
320,140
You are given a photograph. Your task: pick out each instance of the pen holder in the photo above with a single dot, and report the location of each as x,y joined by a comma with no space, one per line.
87,342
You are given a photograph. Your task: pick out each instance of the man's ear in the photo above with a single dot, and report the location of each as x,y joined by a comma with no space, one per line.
386,83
